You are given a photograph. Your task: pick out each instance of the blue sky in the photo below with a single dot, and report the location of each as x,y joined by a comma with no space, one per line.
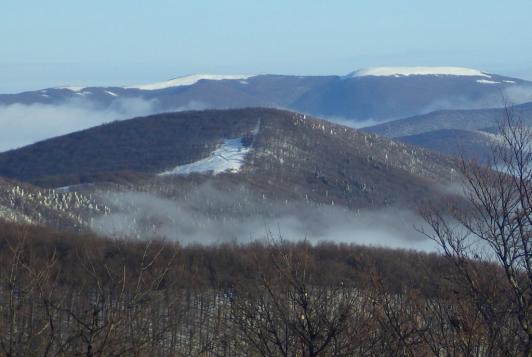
56,42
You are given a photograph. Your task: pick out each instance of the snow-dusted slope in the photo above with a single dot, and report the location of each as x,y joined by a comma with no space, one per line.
187,81
28,204
227,158
72,88
10,215
416,71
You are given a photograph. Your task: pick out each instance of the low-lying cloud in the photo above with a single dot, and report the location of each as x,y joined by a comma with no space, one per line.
356,123
518,94
24,124
208,215
512,95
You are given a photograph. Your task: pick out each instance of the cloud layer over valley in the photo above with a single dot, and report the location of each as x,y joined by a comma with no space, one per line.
208,215
22,124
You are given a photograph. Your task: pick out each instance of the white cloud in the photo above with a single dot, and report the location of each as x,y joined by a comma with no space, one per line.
22,124
518,94
210,215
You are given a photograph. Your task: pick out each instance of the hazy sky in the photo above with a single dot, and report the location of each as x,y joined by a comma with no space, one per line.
58,42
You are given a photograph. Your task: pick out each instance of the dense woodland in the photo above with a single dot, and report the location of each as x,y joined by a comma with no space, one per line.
69,295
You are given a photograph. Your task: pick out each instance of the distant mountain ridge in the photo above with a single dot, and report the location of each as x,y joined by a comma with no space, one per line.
417,71
474,119
453,132
374,93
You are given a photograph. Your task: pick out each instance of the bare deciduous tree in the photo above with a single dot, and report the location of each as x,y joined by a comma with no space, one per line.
494,227
290,312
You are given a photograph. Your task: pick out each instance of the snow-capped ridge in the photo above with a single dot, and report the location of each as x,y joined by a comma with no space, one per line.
73,88
416,71
188,80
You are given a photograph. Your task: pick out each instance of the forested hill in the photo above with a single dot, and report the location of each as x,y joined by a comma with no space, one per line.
278,153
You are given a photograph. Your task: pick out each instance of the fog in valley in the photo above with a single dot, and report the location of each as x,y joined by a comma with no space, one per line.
209,215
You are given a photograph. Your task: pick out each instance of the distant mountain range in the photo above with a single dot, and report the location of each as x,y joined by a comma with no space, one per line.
182,170
376,93
453,132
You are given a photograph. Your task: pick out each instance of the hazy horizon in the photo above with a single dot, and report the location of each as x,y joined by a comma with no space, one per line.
127,42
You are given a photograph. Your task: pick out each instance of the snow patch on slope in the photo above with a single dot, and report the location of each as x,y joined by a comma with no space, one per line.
485,81
73,88
227,158
188,80
416,71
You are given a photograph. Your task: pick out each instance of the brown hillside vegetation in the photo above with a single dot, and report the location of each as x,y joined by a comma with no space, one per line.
69,295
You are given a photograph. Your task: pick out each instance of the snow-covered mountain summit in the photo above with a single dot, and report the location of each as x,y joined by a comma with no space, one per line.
188,81
174,82
416,71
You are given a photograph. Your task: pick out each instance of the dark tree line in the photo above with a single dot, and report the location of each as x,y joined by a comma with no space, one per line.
70,295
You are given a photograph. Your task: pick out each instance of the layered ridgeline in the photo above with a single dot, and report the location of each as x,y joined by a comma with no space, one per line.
375,93
455,132
203,165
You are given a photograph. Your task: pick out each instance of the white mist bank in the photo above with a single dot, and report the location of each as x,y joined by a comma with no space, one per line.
213,216
23,124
